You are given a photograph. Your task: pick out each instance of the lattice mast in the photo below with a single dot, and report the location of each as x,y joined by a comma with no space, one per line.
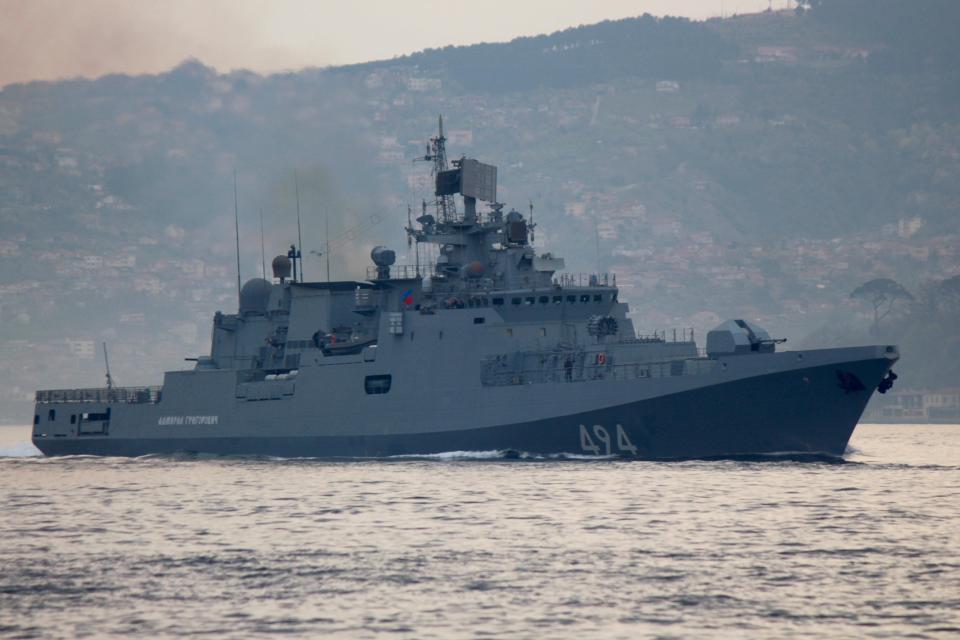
437,154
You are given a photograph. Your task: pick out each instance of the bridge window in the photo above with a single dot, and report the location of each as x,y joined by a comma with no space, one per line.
571,299
515,301
36,418
497,302
585,298
597,297
544,299
479,320
52,415
529,300
557,299
73,418
377,385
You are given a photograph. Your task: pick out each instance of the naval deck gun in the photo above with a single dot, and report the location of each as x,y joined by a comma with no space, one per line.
488,347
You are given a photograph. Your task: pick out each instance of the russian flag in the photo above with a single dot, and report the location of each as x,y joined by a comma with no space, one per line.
407,297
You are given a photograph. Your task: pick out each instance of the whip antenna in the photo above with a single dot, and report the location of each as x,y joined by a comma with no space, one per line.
263,253
106,361
326,232
296,188
236,229
533,226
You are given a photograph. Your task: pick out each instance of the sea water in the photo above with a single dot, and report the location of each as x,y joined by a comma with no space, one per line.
468,545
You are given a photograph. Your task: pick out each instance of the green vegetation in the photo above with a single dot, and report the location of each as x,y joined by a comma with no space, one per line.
762,166
882,294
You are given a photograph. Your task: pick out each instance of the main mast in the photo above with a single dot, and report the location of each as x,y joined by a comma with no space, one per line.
446,206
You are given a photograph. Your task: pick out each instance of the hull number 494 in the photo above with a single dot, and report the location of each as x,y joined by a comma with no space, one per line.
598,441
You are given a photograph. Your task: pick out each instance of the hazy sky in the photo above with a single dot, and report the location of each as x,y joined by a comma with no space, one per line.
49,39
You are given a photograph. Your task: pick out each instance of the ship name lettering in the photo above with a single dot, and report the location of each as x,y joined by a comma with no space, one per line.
165,421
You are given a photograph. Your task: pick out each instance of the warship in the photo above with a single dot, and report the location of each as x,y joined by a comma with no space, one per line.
488,347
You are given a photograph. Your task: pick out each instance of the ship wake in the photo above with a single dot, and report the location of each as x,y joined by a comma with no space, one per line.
500,454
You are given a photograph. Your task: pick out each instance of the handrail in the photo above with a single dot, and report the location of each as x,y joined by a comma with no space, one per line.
493,376
117,395
402,272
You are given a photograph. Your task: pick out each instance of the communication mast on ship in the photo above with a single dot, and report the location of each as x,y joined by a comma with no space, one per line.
437,154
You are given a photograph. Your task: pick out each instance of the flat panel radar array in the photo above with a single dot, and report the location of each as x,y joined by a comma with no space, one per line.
472,179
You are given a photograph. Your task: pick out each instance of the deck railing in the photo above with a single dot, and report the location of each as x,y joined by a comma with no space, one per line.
402,271
115,395
493,374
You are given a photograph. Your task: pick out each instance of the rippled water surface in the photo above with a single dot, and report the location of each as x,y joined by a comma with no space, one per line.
452,547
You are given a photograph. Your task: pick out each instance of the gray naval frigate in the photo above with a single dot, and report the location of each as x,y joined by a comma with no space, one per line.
488,347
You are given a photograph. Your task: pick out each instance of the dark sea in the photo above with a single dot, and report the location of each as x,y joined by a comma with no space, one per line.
469,545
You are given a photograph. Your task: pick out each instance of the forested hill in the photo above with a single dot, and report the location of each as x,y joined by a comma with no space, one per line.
644,47
761,166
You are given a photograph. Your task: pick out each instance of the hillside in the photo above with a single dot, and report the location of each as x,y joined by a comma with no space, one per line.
759,166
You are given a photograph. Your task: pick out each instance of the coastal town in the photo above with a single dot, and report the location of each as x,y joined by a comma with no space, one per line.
630,177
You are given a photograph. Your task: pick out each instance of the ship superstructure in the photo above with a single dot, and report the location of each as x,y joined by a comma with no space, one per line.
488,347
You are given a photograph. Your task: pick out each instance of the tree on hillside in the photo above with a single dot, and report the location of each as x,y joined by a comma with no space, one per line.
948,296
882,293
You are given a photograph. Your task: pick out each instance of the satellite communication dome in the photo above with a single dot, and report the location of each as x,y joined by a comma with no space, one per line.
383,257
255,296
281,267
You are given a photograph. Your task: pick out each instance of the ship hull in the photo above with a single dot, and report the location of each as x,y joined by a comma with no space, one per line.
805,410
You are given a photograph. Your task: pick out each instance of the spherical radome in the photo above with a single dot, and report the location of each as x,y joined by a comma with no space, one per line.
255,296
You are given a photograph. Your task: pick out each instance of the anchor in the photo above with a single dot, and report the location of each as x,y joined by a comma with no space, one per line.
887,383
